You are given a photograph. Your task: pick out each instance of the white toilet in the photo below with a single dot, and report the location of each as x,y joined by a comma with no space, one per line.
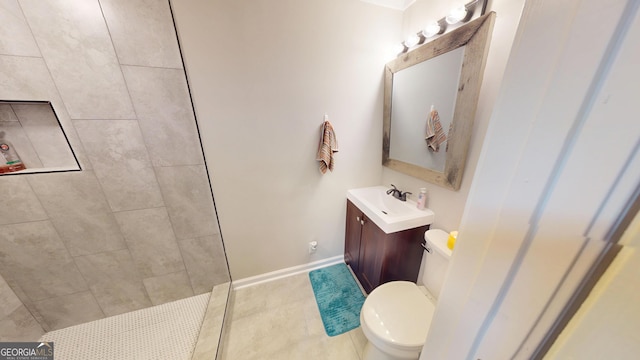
396,316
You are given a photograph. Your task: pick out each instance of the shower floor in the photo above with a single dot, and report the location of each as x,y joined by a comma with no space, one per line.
168,331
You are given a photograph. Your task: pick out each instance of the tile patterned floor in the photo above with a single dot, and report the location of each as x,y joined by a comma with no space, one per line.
280,320
167,331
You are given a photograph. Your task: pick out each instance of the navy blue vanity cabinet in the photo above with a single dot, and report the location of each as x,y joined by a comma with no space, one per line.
376,257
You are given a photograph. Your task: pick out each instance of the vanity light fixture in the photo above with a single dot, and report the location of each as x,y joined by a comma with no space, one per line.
458,15
399,49
433,29
412,41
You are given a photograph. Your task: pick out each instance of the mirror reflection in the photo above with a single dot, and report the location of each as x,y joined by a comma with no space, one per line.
430,99
412,101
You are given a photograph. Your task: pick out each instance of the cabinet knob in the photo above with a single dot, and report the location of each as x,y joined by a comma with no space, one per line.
361,222
358,218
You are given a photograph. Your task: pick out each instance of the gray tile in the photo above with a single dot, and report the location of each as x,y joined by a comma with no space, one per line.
18,203
26,78
142,32
262,297
9,302
79,211
35,258
75,42
121,162
114,281
319,347
41,126
205,262
163,106
151,241
70,131
16,135
6,112
170,287
188,198
280,320
15,36
338,347
359,340
69,310
20,326
315,327
266,333
27,303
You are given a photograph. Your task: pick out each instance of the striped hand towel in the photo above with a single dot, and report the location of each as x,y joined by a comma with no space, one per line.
435,136
328,145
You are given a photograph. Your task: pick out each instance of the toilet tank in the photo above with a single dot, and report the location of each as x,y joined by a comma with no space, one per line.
436,260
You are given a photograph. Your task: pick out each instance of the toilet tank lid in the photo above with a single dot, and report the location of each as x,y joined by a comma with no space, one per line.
437,238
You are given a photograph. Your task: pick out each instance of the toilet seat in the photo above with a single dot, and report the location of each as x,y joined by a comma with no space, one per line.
397,315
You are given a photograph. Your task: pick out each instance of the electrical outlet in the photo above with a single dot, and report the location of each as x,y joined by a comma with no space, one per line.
313,246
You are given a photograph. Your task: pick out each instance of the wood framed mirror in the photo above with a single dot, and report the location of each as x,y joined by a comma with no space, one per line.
445,73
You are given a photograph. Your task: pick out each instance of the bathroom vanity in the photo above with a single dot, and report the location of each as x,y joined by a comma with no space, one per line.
383,237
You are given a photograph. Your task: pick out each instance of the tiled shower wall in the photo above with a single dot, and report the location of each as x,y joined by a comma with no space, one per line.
137,226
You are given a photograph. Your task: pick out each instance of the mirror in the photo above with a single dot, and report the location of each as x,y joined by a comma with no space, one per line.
442,75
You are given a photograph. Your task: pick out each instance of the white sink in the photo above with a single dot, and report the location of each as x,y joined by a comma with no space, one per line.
390,214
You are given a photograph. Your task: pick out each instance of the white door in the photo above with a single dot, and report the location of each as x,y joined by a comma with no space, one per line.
560,162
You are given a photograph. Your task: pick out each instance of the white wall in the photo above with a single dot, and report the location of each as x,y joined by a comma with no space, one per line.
273,68
448,205
262,74
265,70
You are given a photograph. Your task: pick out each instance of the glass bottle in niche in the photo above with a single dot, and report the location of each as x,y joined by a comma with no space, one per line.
9,159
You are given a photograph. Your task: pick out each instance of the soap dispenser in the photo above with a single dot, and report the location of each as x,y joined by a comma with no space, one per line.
422,199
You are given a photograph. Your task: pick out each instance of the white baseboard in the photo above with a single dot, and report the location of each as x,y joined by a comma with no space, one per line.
279,274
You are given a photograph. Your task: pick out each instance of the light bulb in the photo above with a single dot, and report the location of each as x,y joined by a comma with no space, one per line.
431,30
456,15
412,41
398,49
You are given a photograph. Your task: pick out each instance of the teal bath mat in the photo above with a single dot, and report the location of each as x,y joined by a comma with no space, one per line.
338,297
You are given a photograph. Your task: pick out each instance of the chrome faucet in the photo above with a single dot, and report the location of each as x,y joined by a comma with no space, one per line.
398,194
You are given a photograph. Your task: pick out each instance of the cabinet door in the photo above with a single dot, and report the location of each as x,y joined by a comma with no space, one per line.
402,260
372,250
352,237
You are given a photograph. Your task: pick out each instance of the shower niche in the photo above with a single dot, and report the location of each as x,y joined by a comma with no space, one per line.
32,139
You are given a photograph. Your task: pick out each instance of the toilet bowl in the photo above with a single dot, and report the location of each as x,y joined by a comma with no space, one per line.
395,319
396,316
